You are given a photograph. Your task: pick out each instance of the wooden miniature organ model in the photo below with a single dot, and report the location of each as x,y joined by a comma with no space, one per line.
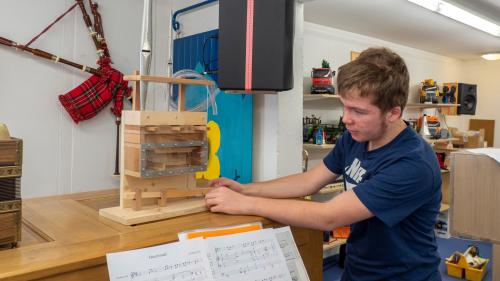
11,155
160,154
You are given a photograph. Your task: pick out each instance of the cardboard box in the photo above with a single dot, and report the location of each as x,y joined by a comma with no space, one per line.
468,139
475,196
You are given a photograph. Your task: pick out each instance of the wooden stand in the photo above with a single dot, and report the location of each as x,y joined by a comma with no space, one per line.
160,154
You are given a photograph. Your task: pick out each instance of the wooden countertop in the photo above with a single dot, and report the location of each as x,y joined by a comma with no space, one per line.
64,238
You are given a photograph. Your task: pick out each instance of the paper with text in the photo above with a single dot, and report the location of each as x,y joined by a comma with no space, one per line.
181,261
249,256
294,261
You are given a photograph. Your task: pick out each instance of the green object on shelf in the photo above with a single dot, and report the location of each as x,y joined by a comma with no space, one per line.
325,64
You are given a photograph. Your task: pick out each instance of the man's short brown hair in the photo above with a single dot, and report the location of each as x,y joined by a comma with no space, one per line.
379,73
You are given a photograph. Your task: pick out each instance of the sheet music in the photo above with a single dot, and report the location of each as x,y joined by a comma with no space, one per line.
181,261
294,261
249,256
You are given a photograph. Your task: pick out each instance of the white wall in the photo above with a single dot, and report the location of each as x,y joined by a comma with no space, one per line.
61,157
486,75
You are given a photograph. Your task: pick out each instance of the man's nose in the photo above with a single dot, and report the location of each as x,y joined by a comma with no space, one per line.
346,118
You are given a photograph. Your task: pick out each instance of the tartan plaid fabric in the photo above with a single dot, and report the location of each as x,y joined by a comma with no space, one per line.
87,99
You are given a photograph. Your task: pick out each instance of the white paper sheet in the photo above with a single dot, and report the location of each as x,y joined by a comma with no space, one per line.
491,152
249,256
181,261
294,261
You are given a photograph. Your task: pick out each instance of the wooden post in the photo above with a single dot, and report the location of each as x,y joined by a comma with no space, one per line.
162,202
136,93
138,199
181,106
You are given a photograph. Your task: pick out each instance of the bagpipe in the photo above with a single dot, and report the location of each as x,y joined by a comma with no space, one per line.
106,83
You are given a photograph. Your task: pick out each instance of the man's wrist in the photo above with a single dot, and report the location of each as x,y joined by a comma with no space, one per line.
250,189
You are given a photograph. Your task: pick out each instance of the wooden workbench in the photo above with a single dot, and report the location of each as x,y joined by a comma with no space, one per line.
64,238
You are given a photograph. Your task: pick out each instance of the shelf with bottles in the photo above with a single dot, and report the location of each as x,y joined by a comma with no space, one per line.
430,105
318,136
312,146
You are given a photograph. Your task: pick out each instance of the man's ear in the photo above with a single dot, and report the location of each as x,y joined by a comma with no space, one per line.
394,114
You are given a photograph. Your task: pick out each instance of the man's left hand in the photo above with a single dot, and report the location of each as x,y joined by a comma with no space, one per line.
224,200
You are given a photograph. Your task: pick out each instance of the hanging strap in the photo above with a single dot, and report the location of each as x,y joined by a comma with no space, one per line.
50,25
249,45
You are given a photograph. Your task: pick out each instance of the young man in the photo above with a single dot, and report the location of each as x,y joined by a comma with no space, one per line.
391,174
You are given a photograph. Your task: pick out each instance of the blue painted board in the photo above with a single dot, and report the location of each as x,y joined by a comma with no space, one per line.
235,111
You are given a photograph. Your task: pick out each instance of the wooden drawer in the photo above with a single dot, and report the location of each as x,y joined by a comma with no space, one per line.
10,227
8,220
11,152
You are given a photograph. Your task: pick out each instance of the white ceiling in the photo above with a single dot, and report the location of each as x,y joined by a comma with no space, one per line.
405,23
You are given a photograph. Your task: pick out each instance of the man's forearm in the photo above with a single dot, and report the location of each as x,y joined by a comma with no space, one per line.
286,187
307,214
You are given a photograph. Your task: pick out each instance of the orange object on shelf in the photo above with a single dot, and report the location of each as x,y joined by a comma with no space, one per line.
341,232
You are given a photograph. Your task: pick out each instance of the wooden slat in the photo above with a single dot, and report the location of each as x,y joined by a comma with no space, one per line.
157,118
169,80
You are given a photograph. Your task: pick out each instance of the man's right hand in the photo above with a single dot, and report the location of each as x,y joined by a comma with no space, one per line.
233,185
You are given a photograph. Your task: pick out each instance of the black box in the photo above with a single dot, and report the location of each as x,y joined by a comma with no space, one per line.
272,48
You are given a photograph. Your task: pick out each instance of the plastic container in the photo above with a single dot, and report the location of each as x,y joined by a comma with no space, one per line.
463,270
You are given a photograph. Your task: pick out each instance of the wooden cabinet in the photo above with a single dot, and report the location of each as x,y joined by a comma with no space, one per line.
11,157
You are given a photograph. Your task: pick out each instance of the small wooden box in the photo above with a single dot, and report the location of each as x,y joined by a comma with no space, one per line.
10,222
11,152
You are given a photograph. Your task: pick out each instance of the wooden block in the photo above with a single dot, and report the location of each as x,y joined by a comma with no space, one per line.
137,199
128,216
475,194
10,222
157,118
136,94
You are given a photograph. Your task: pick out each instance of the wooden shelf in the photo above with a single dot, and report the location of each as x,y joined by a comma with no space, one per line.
310,97
442,149
444,207
430,105
333,244
317,146
431,141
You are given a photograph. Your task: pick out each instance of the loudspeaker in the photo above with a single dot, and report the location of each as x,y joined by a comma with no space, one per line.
256,45
467,98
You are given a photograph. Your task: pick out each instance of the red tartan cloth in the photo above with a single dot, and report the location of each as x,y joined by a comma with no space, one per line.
87,99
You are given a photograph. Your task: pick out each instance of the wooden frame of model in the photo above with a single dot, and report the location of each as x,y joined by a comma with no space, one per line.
160,154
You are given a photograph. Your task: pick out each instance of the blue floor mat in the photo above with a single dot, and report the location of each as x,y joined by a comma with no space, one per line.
446,247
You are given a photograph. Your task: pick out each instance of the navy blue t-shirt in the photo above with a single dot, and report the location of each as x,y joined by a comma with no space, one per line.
400,183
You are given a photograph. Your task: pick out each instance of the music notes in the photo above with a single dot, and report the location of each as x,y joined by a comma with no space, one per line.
261,255
182,261
251,256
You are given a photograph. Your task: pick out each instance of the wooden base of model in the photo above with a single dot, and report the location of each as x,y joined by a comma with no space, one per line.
160,154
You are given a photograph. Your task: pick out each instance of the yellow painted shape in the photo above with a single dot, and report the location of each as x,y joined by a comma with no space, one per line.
213,165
